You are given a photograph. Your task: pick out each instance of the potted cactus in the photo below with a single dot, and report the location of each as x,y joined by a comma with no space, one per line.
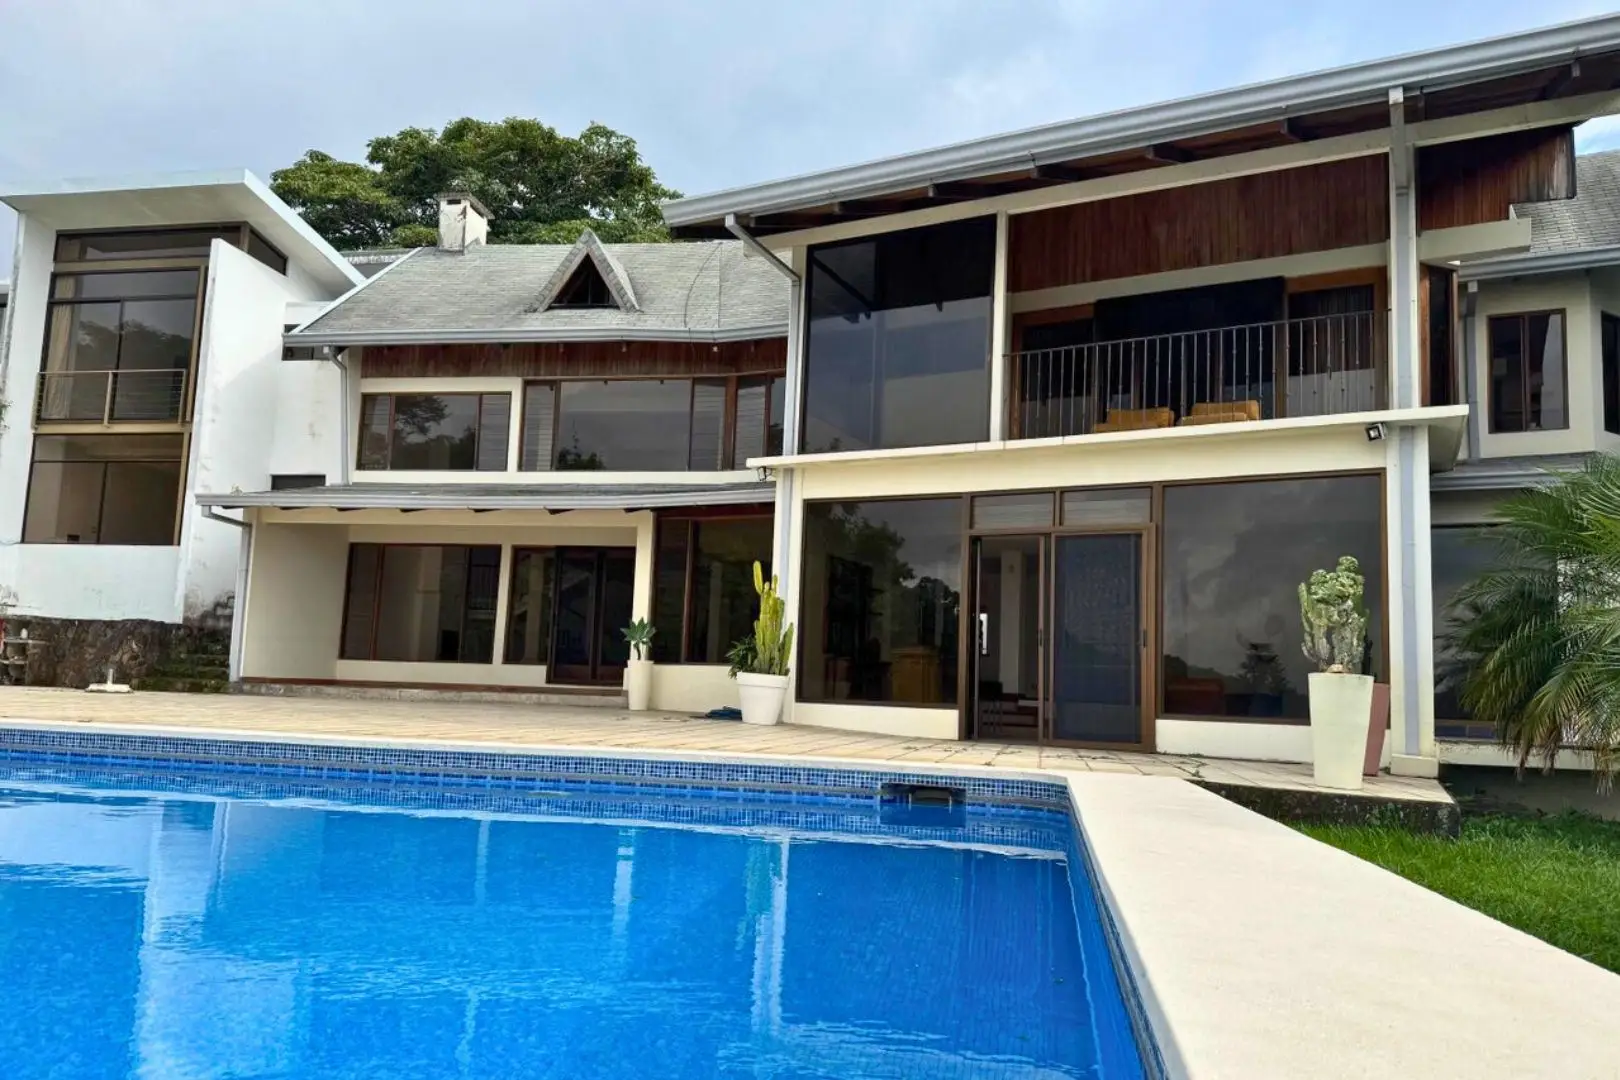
638,672
761,671
1335,617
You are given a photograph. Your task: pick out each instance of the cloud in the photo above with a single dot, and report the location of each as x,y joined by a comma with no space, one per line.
717,94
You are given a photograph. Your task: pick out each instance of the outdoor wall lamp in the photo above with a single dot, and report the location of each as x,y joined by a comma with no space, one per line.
1375,432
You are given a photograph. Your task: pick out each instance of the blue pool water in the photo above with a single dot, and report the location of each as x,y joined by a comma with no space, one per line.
189,935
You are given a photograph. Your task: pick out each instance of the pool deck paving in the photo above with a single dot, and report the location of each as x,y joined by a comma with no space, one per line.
1257,952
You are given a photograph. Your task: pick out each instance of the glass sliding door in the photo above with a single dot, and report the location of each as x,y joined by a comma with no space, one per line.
594,587
1007,629
1098,637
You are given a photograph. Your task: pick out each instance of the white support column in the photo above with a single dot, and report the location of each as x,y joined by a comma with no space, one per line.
1410,603
641,601
1000,332
503,605
1405,363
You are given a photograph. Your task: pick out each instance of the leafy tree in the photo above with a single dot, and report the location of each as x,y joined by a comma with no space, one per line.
540,186
1536,641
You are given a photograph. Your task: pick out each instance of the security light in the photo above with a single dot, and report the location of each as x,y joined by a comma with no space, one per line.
1375,432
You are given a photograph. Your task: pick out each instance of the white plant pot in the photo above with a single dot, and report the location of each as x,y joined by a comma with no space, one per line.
1340,706
762,697
638,676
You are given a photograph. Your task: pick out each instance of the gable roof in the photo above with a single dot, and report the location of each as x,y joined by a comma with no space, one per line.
707,291
588,247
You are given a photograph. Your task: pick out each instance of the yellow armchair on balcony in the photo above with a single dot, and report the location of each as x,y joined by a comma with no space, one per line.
1136,419
1221,412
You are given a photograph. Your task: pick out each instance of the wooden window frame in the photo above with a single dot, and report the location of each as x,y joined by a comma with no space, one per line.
478,428
688,521
496,647
1524,318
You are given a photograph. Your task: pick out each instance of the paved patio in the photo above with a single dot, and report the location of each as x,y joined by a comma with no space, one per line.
564,726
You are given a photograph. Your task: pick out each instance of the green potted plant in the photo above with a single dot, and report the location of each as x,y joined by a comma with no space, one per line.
1335,617
638,672
760,662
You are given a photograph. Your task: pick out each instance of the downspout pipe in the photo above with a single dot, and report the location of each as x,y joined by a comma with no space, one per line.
342,364
238,609
1471,394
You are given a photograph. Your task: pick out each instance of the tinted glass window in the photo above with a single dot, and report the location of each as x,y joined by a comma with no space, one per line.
434,432
631,425
528,618
669,588
150,244
724,604
899,334
1528,391
1611,374
1234,556
98,489
260,249
1457,557
427,603
880,601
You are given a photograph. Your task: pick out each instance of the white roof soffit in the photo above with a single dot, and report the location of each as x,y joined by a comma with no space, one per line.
1546,262
186,198
1256,103
509,335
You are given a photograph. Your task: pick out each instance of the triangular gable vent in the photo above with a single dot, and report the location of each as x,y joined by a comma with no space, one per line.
589,277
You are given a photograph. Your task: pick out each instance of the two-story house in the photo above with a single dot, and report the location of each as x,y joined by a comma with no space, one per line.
140,362
1073,411
538,444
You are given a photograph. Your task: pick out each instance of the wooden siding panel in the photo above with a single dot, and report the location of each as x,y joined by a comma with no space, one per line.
1477,180
596,359
1290,212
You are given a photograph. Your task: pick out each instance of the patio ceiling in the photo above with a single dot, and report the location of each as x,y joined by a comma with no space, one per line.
487,497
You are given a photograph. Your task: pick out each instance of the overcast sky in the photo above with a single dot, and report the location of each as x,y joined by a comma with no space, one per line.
748,90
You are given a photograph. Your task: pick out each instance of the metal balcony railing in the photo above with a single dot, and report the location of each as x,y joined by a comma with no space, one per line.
1295,367
112,397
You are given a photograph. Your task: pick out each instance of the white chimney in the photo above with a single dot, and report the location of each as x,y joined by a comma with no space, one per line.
463,221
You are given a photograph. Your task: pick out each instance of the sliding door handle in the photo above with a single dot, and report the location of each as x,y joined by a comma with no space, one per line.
984,633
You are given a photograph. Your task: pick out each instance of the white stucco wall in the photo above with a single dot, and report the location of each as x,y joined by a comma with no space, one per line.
694,688
294,612
1572,294
237,414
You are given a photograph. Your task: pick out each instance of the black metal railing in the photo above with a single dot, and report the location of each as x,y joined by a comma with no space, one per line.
112,397
1295,367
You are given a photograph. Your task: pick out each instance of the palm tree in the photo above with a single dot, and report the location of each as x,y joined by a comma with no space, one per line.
1535,642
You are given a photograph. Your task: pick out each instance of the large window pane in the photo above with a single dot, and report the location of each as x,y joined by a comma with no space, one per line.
669,588
528,619
708,424
880,603
103,489
761,405
148,244
1528,388
899,338
1234,556
630,425
434,431
539,425
1457,557
429,603
174,284
724,604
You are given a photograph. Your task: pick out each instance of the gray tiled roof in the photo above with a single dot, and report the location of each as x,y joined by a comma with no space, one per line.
1590,220
683,290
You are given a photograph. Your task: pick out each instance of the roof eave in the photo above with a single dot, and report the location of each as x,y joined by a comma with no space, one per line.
385,497
503,335
1547,262
1167,121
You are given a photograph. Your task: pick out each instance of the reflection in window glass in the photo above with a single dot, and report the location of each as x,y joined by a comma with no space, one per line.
631,425
528,618
669,588
1527,391
435,432
1457,557
880,602
428,603
723,603
100,489
142,244
1234,556
899,332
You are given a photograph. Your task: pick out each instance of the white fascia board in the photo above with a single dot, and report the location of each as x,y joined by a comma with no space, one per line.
1547,262
1446,417
1126,129
500,335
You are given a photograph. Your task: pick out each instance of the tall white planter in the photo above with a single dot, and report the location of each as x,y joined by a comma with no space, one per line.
762,697
638,684
1340,706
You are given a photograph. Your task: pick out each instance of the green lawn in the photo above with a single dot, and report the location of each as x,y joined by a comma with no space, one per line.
1555,877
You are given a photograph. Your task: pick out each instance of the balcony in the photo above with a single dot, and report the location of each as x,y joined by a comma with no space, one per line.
1318,366
153,396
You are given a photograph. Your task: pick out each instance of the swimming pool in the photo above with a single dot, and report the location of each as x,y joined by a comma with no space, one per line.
156,924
